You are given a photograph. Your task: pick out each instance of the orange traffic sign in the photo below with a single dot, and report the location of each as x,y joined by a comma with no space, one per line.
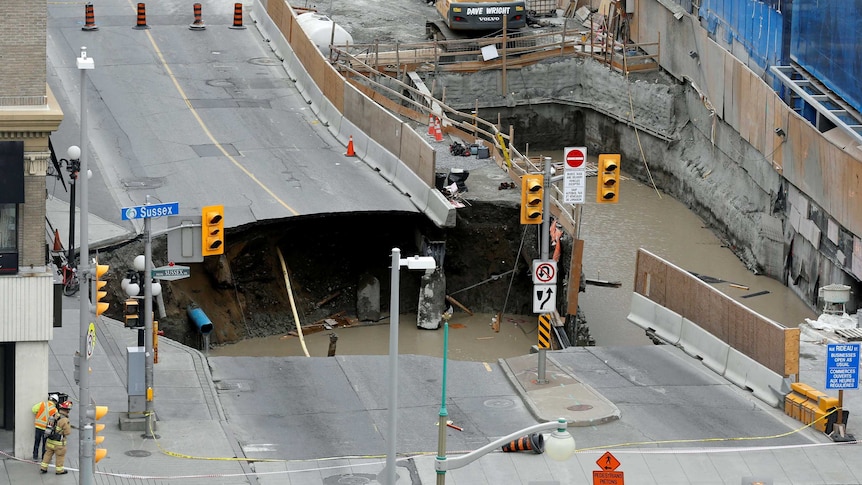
607,478
608,462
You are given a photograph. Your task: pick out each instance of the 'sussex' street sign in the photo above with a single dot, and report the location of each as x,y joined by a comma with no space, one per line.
169,273
150,210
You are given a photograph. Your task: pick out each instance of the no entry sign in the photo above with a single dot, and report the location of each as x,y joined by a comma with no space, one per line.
575,175
576,157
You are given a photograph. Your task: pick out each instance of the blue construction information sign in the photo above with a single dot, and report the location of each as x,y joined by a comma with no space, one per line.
842,366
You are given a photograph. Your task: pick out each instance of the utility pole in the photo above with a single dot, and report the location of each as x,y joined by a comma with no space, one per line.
545,242
86,448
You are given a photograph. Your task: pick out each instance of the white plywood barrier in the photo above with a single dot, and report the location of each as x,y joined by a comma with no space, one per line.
667,325
410,184
652,317
642,311
330,115
747,373
699,343
384,162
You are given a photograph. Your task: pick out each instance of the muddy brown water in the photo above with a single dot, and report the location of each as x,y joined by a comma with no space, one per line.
612,235
471,338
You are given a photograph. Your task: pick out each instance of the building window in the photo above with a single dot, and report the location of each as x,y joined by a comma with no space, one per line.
8,238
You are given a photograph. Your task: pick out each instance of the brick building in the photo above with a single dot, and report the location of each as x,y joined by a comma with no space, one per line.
29,114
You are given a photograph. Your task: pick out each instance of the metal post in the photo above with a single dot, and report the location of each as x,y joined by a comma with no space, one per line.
86,447
393,365
148,331
442,423
70,255
545,242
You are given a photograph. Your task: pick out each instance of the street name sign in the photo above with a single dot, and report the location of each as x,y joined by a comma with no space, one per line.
575,175
842,366
170,273
150,211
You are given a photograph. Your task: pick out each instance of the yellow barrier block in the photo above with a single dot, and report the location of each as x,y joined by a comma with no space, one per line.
825,403
793,404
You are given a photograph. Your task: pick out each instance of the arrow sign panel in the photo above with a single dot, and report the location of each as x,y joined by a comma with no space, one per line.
544,298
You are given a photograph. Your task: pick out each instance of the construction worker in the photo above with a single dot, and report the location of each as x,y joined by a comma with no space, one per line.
43,410
56,442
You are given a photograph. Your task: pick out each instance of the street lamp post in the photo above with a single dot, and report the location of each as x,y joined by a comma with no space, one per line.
426,263
86,445
73,164
444,415
144,265
560,446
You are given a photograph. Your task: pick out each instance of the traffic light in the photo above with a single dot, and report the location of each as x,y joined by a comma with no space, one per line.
608,190
96,413
100,271
132,312
212,217
532,196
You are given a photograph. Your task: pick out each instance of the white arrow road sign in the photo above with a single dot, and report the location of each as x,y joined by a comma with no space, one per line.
544,298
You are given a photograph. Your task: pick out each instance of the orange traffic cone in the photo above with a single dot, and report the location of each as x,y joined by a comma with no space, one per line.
198,23
430,124
237,17
438,132
89,18
534,442
141,23
58,246
350,151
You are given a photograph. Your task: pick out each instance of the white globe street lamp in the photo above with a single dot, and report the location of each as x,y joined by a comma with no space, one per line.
560,446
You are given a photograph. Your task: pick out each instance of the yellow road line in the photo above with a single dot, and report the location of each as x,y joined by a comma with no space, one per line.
206,129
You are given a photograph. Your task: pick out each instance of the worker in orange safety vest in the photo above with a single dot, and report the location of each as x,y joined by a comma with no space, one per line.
42,410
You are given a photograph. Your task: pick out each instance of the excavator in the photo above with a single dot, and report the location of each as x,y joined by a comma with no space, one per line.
460,19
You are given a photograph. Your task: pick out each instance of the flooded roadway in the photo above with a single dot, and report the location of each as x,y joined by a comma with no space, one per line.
612,235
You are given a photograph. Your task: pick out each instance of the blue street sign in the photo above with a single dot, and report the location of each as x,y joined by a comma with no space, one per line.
842,366
150,210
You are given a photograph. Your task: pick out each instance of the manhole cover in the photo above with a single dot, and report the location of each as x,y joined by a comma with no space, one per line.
243,386
138,453
580,407
221,83
264,61
498,403
350,479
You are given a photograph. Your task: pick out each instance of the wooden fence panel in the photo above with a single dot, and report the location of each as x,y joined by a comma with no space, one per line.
754,335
